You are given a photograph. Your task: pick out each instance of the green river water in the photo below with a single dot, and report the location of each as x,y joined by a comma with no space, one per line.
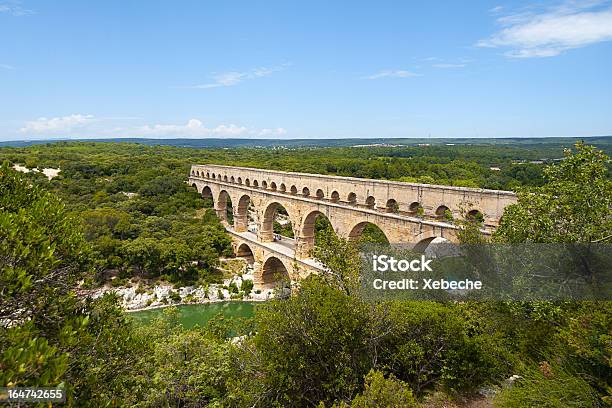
190,315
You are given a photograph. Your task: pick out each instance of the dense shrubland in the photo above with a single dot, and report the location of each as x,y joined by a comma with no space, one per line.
325,346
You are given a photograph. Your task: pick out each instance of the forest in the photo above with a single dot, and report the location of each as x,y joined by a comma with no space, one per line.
125,207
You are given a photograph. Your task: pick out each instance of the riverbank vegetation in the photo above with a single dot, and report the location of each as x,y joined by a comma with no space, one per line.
322,347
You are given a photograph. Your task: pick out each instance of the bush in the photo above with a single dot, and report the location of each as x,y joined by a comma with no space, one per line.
548,386
384,392
247,286
174,296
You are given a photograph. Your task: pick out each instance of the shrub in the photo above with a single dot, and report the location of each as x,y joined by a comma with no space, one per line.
247,286
548,386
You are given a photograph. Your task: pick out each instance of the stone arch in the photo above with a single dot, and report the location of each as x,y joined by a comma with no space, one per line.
244,251
308,232
293,190
194,185
207,174
335,197
241,214
247,182
282,188
422,245
255,183
392,206
214,177
351,198
224,207
441,211
357,232
414,207
264,184
475,215
232,179
274,273
225,178
207,192
305,191
273,186
370,202
239,180
267,224
320,194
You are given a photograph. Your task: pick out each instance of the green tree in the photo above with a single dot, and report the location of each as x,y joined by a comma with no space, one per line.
572,206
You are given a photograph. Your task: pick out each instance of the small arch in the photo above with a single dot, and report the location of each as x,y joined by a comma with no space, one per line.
225,178
239,180
275,274
244,251
415,207
370,202
335,197
320,194
207,174
273,186
255,183
293,190
392,206
194,185
232,180
264,184
475,215
214,177
282,188
305,192
441,211
247,182
352,198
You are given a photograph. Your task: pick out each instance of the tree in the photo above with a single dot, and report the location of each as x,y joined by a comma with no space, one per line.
572,206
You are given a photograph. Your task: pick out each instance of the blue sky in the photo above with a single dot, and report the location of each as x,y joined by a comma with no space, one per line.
304,69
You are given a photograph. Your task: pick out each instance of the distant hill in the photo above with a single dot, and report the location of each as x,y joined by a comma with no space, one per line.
604,142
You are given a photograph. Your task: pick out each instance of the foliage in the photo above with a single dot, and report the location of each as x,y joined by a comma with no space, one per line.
549,387
572,206
383,392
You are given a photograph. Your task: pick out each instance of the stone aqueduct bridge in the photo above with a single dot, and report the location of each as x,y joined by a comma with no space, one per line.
405,212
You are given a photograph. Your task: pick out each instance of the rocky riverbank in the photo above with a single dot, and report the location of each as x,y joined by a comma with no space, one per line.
140,297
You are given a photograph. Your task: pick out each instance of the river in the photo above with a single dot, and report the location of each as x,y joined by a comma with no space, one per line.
190,315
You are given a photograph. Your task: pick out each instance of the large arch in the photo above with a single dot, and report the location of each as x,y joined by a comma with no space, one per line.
224,207
241,214
314,224
244,251
274,274
368,232
208,197
267,224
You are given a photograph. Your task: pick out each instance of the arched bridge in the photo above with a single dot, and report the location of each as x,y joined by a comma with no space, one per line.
405,212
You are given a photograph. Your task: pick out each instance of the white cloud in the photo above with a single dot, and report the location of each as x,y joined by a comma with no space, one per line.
195,128
88,126
14,8
63,124
392,74
552,31
232,78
